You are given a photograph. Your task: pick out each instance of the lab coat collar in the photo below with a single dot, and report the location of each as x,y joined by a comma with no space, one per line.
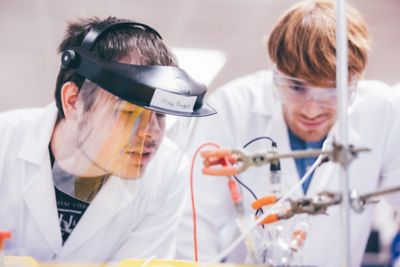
39,181
34,146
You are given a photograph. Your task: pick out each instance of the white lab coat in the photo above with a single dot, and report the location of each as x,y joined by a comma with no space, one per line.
141,228
247,108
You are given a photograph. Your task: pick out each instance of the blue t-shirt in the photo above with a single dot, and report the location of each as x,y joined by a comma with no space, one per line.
395,250
302,164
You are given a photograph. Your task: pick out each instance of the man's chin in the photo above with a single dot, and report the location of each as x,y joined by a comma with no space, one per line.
132,172
312,135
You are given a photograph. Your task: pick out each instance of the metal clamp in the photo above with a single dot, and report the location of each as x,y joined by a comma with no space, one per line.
235,161
312,206
318,204
358,203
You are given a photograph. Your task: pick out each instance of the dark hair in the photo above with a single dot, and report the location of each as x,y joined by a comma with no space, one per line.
144,46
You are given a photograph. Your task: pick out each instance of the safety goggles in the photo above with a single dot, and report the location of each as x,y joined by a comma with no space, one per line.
292,90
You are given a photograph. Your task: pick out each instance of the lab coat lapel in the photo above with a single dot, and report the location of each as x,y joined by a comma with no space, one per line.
39,194
108,203
277,129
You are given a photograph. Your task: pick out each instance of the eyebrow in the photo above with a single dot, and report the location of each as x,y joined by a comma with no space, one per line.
128,107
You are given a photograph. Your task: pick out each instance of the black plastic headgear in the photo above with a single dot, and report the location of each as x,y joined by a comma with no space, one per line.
163,89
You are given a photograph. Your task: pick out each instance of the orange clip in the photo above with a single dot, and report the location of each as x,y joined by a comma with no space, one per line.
270,219
216,153
221,157
234,189
4,235
261,202
223,171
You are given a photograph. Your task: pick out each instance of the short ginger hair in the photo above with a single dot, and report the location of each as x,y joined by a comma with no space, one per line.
303,42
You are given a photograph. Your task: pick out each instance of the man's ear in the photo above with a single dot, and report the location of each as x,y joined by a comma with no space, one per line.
69,96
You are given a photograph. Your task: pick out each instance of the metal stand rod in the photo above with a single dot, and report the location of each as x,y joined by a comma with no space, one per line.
341,83
380,193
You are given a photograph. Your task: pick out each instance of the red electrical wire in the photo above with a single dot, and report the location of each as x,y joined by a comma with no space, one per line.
195,245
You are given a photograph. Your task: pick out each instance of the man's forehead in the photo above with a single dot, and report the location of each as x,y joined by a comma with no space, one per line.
133,58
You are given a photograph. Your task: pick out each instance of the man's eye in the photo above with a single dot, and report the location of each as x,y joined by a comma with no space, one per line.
160,115
130,112
298,88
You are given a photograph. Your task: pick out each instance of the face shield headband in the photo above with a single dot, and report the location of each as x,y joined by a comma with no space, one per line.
163,89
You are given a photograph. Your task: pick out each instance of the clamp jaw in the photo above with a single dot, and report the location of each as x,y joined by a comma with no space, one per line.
312,206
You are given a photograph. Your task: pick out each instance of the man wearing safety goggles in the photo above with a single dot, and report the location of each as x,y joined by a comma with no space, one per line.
94,177
295,105
309,111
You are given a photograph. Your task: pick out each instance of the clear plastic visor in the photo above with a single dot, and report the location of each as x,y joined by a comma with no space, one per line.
113,148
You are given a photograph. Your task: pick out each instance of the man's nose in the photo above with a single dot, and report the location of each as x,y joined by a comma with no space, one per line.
149,126
311,108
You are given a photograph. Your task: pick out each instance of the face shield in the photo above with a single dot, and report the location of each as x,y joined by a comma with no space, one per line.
128,131
294,91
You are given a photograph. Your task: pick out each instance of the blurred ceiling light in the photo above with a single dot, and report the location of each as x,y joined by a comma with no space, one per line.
202,64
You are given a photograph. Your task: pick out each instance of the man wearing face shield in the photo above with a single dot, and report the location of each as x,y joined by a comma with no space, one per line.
295,104
94,177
